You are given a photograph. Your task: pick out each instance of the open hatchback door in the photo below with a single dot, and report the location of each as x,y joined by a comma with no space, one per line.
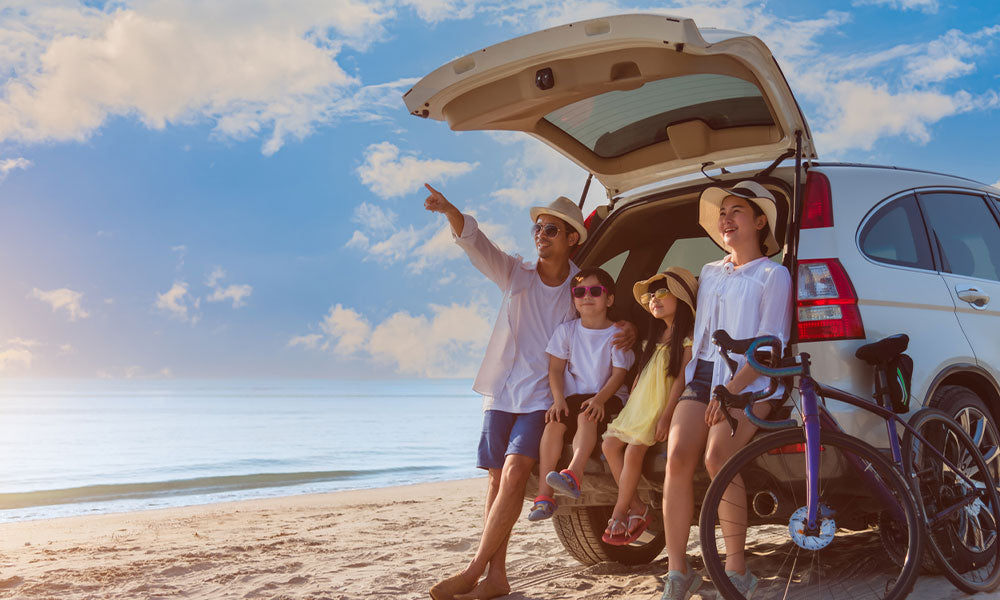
633,99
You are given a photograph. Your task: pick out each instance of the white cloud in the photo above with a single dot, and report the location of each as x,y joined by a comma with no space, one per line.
347,327
63,299
251,71
927,6
863,112
176,302
9,164
237,293
234,292
424,247
134,372
358,241
448,342
373,217
310,341
537,175
66,349
12,358
388,174
434,11
23,342
949,56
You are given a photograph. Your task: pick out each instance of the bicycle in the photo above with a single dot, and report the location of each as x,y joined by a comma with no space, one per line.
823,484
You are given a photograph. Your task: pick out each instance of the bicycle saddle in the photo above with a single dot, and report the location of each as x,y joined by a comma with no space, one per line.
883,351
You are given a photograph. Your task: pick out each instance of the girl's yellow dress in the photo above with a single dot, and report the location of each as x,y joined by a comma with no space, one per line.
636,423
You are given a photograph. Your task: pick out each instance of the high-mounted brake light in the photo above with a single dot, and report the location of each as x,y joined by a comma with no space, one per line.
817,203
827,302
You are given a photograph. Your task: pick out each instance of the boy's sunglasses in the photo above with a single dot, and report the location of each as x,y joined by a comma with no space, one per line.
595,291
548,229
660,293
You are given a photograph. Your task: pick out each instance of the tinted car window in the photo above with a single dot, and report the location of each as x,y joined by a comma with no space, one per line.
896,235
615,264
618,122
691,253
965,232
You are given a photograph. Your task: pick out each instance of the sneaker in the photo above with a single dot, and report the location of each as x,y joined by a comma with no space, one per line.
678,586
745,583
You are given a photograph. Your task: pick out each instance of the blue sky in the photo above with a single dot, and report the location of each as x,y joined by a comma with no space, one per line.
235,191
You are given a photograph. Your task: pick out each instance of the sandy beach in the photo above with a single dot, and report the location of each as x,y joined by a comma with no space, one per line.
380,543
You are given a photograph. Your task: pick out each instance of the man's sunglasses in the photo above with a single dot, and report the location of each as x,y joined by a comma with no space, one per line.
660,294
596,291
548,229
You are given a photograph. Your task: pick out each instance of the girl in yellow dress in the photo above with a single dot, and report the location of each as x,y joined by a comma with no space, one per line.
670,298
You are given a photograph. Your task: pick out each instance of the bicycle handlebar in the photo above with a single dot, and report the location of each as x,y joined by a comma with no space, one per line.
748,347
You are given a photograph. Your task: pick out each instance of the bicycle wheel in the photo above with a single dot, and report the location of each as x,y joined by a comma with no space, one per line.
961,520
857,488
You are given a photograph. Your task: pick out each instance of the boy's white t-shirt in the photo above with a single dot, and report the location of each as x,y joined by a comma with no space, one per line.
589,355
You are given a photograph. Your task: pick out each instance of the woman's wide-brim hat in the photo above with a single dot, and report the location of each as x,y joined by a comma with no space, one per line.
680,282
565,209
711,202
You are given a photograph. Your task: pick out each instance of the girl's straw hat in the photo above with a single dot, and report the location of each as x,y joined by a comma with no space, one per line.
711,202
680,282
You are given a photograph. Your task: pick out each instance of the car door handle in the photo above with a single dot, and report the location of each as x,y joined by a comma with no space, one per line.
974,296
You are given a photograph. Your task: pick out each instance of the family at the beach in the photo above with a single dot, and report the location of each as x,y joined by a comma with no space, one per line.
556,368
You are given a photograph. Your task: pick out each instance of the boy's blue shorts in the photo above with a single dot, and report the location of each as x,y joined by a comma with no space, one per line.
509,433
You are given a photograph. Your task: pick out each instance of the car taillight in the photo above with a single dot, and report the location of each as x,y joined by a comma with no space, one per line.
817,203
827,302
595,217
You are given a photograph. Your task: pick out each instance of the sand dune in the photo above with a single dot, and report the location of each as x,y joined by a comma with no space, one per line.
386,543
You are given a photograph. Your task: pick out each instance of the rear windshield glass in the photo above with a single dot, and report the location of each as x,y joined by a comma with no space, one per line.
615,123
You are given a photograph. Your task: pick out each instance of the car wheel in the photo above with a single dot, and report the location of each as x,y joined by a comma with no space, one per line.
966,407
580,529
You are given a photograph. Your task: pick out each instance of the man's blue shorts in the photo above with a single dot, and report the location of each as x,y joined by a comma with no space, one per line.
509,433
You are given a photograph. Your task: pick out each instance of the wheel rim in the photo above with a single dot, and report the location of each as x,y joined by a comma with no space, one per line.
767,545
984,434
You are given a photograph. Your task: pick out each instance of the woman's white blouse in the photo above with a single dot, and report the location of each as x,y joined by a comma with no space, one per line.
748,301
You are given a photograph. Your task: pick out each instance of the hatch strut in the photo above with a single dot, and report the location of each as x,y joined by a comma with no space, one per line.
586,188
771,167
791,260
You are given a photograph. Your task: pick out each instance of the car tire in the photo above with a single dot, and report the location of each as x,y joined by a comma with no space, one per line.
966,407
580,529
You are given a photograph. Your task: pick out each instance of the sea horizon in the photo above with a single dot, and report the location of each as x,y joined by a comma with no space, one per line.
93,446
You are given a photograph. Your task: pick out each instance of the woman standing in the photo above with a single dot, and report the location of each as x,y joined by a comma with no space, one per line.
747,295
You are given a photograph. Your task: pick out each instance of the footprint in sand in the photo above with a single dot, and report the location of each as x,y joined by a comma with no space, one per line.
11,582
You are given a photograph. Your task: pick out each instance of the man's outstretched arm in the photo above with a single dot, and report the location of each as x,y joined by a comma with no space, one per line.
436,202
484,255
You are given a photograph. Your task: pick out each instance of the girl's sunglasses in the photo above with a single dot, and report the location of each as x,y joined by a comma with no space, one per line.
595,291
660,293
548,229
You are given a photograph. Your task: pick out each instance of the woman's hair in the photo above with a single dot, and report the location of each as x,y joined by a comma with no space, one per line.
762,233
683,326
602,276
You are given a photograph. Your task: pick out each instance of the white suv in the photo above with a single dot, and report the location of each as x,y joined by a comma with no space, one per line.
639,100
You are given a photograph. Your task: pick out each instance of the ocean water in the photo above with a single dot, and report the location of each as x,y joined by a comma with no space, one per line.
85,447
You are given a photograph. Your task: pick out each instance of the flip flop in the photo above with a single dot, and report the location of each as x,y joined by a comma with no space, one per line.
633,533
564,482
543,508
615,539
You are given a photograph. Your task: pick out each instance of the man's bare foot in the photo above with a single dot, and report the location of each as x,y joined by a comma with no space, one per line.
449,588
485,591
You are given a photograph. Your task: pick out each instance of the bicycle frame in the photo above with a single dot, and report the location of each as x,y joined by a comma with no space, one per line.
814,416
